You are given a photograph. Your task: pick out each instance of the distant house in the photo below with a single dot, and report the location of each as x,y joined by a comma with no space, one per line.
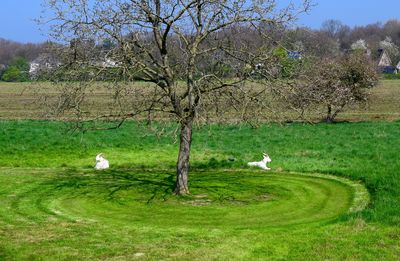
389,70
385,63
106,63
34,67
44,62
294,55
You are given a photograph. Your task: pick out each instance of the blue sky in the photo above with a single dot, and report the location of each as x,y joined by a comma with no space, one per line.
352,12
16,16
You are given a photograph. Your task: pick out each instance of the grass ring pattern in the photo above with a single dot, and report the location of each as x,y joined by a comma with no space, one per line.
240,200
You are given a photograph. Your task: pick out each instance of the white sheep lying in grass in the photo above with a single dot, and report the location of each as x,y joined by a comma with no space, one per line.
261,164
101,163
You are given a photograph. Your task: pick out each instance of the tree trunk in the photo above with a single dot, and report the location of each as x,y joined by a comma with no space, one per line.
329,118
331,115
182,169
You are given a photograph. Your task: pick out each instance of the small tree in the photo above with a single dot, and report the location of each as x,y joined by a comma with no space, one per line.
334,84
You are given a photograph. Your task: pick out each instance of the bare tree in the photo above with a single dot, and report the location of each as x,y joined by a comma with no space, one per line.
335,28
317,43
334,83
392,29
168,43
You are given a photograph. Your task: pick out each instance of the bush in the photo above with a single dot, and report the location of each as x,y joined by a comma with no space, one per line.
13,74
18,71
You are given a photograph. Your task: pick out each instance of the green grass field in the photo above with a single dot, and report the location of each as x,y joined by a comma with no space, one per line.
55,207
311,206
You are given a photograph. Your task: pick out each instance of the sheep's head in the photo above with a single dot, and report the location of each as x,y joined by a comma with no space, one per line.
99,157
266,158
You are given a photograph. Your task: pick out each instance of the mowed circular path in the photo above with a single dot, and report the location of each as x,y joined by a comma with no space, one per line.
238,200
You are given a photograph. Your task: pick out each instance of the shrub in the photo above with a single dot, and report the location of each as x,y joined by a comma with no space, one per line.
13,74
18,71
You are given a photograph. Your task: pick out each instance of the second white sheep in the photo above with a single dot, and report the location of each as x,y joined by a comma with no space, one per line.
263,163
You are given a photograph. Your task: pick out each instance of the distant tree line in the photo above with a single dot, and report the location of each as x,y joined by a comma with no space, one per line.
15,58
332,39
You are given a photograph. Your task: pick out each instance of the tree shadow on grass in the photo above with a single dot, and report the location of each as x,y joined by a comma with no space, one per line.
124,186
114,185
